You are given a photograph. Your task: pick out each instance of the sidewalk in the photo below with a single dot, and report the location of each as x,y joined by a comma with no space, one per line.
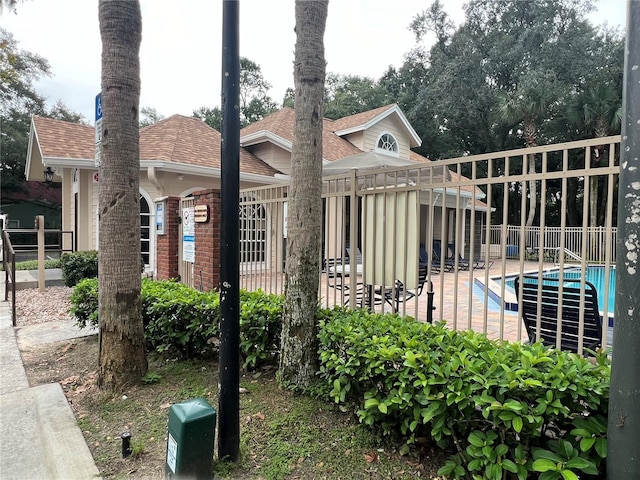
40,435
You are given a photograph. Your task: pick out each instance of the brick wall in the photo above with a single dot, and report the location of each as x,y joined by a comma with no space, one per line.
206,269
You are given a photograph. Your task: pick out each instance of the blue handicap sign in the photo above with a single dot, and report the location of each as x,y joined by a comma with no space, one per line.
98,107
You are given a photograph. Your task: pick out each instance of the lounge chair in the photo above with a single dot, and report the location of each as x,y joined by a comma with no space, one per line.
475,264
551,305
447,263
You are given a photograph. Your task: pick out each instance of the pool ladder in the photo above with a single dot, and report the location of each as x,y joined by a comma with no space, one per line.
568,253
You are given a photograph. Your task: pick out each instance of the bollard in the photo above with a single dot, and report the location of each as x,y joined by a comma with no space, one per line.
192,427
126,444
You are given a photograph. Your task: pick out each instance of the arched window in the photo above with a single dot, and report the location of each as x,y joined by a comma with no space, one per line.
145,230
387,144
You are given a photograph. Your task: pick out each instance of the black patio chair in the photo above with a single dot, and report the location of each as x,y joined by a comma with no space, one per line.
447,264
394,296
566,309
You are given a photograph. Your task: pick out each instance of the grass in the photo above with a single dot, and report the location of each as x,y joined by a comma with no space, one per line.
33,264
283,435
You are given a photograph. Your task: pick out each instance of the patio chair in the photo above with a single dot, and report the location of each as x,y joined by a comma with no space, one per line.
358,256
393,296
475,264
551,305
446,263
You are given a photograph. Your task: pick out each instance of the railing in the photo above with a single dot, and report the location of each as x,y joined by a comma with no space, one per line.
56,241
477,208
550,237
9,266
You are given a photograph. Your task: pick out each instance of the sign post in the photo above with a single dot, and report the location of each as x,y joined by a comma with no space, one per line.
98,135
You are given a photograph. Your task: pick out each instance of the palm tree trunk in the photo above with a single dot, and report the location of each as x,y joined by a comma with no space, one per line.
299,352
122,356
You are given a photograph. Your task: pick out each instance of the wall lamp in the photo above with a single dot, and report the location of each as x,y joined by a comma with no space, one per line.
48,175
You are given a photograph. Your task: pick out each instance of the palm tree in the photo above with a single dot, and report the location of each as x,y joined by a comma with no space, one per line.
298,353
122,356
596,112
527,107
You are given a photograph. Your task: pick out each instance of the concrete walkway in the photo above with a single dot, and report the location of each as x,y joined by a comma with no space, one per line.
40,435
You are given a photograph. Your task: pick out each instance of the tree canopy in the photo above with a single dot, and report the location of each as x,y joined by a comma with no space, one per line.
19,69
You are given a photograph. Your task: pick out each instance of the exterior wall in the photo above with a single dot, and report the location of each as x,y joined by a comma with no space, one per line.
356,139
277,157
207,255
391,125
167,244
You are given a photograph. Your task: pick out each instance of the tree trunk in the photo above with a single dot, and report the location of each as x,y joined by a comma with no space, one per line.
122,356
533,191
299,349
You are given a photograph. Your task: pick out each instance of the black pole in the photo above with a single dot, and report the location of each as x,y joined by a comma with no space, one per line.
623,431
229,403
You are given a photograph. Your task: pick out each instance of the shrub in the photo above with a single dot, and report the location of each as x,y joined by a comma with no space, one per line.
77,266
503,410
260,327
182,321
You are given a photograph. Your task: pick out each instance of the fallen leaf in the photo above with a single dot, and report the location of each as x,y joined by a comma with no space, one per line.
371,457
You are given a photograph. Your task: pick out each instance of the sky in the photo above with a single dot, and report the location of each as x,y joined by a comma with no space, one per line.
180,55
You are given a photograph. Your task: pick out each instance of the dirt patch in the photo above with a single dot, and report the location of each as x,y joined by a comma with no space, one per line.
283,435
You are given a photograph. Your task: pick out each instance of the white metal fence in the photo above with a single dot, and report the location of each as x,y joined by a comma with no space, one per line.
454,232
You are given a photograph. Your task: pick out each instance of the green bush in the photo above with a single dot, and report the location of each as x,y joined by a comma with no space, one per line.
77,266
503,410
260,327
180,320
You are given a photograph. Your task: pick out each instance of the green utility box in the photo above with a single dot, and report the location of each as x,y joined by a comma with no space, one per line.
192,428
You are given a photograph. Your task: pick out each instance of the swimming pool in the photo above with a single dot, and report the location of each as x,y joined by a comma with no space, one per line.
593,274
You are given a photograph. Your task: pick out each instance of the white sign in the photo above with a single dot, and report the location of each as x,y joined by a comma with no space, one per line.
172,453
160,218
188,235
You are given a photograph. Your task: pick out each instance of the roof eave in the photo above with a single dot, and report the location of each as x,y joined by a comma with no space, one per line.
265,136
415,139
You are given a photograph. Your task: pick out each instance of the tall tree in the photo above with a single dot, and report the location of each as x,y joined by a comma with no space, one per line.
18,102
255,103
350,94
299,352
149,116
210,116
524,110
122,356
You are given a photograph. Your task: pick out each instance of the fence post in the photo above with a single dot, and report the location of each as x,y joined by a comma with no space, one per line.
40,227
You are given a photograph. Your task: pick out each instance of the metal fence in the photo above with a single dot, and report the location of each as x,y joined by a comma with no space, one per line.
455,232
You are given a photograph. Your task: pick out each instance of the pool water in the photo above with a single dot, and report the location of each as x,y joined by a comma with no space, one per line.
593,274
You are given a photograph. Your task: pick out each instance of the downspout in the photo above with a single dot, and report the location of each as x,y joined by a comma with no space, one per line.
151,175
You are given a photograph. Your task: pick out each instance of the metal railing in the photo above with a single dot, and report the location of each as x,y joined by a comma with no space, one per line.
57,242
495,216
9,266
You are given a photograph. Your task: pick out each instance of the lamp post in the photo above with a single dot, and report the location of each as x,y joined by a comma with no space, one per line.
48,175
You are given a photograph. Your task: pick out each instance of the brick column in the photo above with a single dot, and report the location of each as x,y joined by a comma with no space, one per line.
206,268
167,244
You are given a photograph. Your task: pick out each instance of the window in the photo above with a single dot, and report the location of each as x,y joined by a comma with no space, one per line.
387,144
253,231
145,230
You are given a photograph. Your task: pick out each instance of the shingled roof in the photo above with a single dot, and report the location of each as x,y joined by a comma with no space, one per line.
190,141
60,139
177,139
281,123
